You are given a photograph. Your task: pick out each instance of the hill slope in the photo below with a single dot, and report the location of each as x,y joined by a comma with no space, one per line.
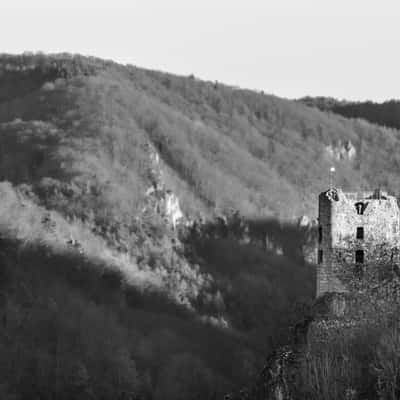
93,159
100,296
222,147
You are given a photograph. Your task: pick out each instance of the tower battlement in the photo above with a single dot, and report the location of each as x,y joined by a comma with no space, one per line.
355,229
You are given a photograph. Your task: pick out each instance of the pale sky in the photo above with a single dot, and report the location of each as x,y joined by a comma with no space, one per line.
292,48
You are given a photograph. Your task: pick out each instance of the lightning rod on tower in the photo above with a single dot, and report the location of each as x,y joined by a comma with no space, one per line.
331,172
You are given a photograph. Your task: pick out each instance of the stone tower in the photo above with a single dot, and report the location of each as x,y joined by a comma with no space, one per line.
355,229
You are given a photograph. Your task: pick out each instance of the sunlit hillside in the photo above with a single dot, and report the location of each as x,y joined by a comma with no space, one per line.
86,119
134,306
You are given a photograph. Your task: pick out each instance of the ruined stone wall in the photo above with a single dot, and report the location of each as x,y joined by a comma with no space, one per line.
324,244
339,219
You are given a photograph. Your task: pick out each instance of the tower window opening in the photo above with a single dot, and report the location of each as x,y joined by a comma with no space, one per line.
360,233
359,256
320,234
360,207
320,256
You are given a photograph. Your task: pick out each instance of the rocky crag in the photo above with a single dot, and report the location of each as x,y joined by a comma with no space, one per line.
325,360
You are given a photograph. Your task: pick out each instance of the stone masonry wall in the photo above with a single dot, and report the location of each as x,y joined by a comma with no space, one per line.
324,273
338,223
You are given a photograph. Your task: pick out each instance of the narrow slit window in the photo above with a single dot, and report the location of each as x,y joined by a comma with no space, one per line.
360,233
320,234
320,256
360,256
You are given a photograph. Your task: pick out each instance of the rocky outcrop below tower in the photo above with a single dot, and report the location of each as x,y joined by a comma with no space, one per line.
345,347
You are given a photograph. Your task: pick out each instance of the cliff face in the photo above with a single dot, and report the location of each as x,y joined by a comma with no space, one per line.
161,199
341,152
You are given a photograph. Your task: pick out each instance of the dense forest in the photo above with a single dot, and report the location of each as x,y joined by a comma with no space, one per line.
78,324
384,114
223,147
100,297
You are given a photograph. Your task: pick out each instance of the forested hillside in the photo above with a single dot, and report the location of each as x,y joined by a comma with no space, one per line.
224,147
384,114
101,295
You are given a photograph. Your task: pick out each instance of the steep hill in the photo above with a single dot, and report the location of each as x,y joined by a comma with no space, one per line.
222,147
111,179
102,295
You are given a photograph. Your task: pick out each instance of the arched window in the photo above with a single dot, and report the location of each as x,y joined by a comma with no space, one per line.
360,207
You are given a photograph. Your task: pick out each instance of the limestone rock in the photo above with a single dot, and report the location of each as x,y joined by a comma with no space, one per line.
161,200
172,208
341,151
304,221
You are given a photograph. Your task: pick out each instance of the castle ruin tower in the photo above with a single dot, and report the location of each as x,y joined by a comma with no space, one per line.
354,230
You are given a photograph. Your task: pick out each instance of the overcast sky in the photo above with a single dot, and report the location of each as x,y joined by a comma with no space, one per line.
292,48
